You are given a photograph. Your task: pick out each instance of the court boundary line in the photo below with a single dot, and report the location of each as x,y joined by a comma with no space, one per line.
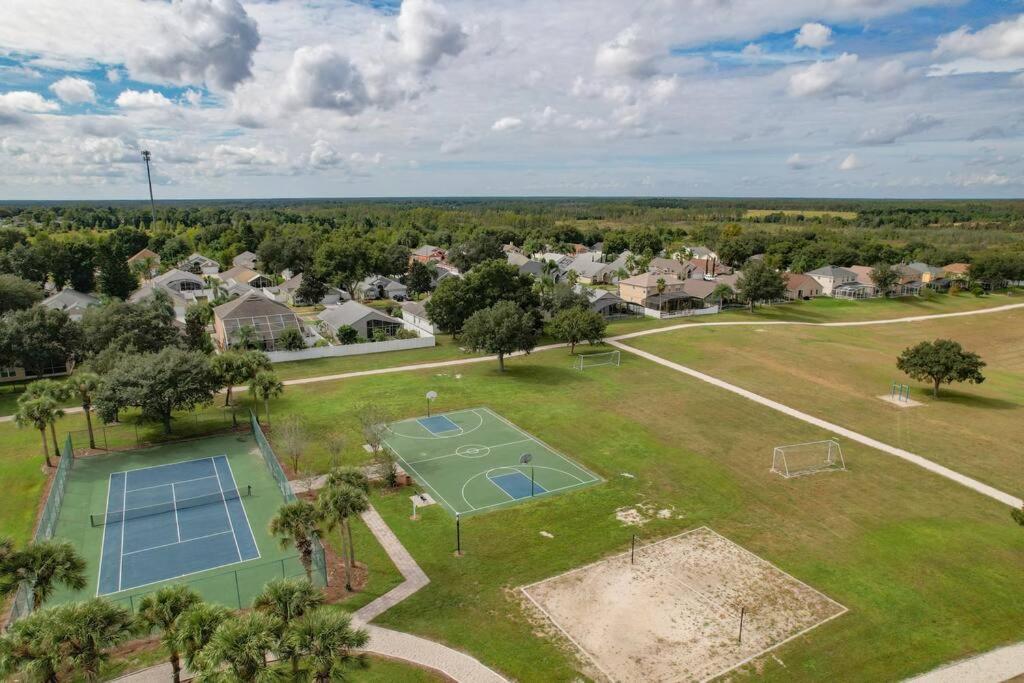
103,540
156,467
533,484
595,479
455,427
419,477
168,545
199,571
433,436
245,513
231,525
174,502
579,483
460,455
183,481
120,560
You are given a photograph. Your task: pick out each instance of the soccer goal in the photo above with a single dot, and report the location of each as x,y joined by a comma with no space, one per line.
591,360
798,459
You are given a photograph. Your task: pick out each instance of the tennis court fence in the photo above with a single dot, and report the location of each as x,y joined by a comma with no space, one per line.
133,434
23,603
270,458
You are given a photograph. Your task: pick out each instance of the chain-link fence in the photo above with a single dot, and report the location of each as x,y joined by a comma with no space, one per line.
270,458
128,436
23,603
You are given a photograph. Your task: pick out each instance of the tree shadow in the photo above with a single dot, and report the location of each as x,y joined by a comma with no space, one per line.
968,400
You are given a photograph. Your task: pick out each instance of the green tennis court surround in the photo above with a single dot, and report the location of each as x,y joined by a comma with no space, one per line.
472,460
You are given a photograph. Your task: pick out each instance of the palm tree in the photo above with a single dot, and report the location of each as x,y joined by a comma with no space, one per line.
88,630
239,647
47,563
264,386
326,638
337,504
296,523
38,413
30,648
161,611
84,385
195,627
53,390
288,599
355,478
660,286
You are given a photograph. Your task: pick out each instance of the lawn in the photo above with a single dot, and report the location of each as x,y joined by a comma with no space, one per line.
838,373
929,570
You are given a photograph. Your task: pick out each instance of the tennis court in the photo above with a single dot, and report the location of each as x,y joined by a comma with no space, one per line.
168,521
475,460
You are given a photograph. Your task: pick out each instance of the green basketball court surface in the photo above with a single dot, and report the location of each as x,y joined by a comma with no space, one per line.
472,460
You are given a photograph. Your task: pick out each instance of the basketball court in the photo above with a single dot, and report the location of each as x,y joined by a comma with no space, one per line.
475,460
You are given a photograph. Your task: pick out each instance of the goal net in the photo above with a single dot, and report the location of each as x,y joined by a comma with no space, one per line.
591,360
798,459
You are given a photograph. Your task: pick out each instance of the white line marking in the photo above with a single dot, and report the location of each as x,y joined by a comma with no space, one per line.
449,455
156,486
124,504
174,504
227,512
419,477
103,538
167,545
245,513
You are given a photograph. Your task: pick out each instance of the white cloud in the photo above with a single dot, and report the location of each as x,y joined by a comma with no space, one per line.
426,33
74,90
321,78
824,77
996,41
813,35
25,101
850,163
324,155
626,55
209,42
114,75
888,134
662,89
507,123
798,162
135,99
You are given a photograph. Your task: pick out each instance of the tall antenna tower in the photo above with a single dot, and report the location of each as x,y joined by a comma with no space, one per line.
149,179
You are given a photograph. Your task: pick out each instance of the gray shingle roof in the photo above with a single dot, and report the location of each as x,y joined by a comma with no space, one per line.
350,313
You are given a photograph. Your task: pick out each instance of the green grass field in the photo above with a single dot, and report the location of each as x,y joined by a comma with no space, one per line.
234,585
930,570
838,373
759,213
471,461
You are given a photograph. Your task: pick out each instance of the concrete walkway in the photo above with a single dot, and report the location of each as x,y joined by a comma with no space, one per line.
918,460
995,666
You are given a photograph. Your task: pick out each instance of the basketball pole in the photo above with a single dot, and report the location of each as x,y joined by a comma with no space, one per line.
458,534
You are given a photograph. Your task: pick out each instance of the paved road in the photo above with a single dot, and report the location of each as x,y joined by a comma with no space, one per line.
995,666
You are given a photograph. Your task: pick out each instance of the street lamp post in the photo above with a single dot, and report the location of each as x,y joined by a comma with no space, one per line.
149,180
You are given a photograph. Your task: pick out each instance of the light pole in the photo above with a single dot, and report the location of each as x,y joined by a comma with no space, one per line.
525,459
149,181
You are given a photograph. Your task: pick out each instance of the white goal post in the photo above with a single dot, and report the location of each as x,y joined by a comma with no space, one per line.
590,360
798,459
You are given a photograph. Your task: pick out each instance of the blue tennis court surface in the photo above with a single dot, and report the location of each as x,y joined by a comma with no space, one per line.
167,521
517,485
439,424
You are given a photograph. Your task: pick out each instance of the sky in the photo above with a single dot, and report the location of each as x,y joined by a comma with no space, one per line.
809,98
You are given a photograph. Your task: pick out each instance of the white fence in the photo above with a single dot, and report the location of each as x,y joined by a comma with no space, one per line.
655,313
426,341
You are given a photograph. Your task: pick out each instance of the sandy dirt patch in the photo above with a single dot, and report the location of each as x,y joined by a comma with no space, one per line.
674,615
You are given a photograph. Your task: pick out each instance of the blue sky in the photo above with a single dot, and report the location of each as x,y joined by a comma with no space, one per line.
905,98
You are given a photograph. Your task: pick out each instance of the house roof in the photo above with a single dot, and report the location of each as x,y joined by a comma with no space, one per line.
291,284
251,304
382,281
416,308
863,274
246,258
144,254
517,258
700,252
957,268
732,280
426,250
350,313
922,267
800,282
670,265
69,299
596,294
833,272
196,256
649,280
699,289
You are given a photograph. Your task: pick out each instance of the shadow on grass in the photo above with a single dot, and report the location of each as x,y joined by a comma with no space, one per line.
967,400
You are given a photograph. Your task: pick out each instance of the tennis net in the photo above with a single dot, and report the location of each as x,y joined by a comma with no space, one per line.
218,498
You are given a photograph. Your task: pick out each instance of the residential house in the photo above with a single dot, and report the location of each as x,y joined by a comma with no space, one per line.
241,275
702,253
830,277
415,313
528,266
267,318
380,287
680,269
591,269
246,259
366,321
957,271
707,268
561,260
145,256
800,286
287,291
200,265
427,253
183,288
863,288
643,290
925,272
71,302
608,304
